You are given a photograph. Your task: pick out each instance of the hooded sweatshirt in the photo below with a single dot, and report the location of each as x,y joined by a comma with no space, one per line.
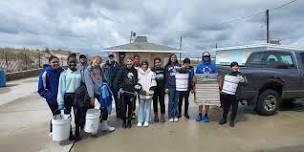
206,67
93,80
126,79
170,71
147,80
48,83
160,78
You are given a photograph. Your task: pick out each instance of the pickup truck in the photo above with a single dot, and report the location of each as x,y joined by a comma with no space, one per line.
273,76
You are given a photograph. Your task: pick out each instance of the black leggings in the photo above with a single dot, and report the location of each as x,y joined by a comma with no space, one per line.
181,95
54,109
159,96
127,106
227,102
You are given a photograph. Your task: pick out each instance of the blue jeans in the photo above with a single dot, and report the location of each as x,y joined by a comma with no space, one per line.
173,103
144,110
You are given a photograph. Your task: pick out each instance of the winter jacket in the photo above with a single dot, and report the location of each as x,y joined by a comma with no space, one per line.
48,83
82,69
126,79
190,72
147,80
242,81
160,78
206,66
69,82
93,80
170,71
110,71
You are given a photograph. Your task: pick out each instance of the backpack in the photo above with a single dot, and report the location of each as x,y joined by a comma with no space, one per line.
105,97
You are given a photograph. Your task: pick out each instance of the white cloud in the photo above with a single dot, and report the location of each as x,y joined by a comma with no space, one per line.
96,24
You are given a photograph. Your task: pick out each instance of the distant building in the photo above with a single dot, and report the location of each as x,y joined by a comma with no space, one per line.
143,48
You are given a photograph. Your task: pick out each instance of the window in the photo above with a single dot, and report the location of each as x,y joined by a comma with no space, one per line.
302,58
267,58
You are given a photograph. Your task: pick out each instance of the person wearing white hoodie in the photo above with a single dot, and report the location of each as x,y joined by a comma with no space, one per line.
146,78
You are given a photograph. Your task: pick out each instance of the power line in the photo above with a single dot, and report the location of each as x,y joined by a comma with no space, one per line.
254,14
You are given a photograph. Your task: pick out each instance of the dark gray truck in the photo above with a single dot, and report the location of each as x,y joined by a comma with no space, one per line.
273,76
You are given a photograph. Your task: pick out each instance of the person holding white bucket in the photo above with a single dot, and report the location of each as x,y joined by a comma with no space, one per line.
48,84
94,77
146,78
69,81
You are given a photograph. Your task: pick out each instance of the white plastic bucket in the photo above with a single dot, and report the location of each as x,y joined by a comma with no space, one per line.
92,121
61,127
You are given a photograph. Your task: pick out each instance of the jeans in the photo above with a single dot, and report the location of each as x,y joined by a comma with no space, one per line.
173,103
144,110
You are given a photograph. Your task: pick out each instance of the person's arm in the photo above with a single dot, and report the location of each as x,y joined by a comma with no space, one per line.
118,79
61,90
42,88
89,83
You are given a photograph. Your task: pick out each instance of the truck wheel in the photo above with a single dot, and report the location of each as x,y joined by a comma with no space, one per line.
268,102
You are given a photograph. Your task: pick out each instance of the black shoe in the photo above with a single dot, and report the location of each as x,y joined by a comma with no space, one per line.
179,116
124,124
231,123
72,137
129,124
187,116
222,121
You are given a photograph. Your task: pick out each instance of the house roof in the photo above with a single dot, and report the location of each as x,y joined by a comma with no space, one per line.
141,44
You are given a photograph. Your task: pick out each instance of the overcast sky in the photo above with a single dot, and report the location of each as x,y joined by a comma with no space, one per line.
97,24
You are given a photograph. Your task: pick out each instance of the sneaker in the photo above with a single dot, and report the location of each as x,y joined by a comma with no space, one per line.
175,119
206,119
105,127
139,124
222,121
187,116
146,124
231,124
171,120
199,117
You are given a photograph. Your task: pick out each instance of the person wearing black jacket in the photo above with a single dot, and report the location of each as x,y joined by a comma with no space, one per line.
159,93
126,79
229,90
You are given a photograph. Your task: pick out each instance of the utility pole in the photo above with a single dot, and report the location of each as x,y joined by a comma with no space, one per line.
267,25
180,47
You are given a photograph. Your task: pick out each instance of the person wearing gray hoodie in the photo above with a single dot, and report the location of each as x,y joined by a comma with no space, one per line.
93,81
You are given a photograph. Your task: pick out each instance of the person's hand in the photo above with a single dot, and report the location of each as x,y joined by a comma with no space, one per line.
143,92
92,102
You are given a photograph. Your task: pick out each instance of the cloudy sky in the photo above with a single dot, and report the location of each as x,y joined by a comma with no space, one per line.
97,24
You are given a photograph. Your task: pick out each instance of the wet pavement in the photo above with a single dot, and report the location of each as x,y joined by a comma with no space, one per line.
25,121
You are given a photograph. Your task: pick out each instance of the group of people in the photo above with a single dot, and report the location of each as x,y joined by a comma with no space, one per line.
131,83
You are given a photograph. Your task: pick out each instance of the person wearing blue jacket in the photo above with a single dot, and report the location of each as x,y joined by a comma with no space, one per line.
170,85
48,84
206,66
